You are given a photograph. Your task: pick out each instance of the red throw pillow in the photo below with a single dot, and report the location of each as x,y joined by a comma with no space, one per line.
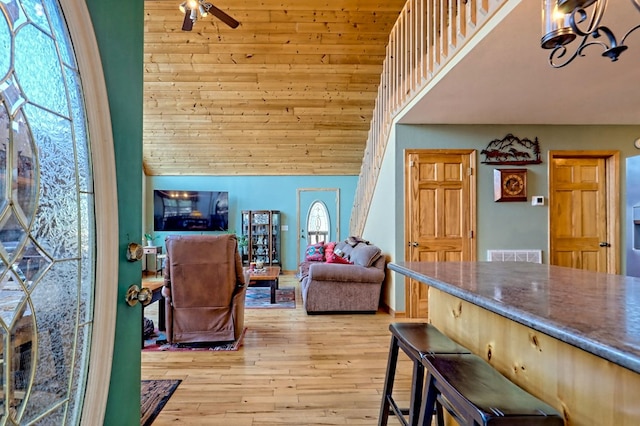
328,250
315,252
334,258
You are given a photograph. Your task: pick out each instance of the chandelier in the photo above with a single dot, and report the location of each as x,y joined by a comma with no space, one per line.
564,21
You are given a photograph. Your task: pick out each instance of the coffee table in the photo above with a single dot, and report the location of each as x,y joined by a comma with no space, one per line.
265,277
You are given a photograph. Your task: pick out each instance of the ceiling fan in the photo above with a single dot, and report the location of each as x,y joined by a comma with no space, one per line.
191,9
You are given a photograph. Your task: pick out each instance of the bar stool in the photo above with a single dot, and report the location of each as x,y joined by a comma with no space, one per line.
414,339
475,393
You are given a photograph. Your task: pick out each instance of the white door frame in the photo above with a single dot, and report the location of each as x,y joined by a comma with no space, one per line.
106,204
337,219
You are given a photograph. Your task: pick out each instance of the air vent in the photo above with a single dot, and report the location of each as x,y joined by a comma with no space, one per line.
532,256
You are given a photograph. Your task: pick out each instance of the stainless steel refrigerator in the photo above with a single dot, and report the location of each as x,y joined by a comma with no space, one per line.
632,224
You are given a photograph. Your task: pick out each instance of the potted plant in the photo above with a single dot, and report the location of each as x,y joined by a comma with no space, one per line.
149,239
243,242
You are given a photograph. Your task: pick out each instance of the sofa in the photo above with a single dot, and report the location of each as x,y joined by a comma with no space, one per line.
345,276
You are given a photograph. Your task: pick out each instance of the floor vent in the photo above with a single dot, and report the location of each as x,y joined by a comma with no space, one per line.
533,256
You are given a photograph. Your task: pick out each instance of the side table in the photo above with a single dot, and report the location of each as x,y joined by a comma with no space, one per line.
154,251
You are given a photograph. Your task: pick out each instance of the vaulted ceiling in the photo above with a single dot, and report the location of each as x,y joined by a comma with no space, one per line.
291,91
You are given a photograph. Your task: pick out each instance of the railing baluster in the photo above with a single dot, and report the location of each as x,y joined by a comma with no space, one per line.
453,26
473,15
462,29
426,36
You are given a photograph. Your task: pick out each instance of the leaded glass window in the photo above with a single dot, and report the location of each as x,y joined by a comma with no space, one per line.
318,223
47,228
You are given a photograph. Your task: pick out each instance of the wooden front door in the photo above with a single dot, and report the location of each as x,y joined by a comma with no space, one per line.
306,197
583,199
440,214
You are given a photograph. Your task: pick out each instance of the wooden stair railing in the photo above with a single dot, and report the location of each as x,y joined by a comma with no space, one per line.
426,36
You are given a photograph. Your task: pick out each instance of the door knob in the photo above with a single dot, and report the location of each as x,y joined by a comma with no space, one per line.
413,244
135,295
605,244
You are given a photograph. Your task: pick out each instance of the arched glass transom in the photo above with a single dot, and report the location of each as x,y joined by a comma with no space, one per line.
318,223
47,227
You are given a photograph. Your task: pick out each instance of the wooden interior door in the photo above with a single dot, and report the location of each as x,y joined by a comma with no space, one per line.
583,199
440,214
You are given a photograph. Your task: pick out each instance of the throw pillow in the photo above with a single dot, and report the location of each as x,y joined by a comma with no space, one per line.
334,258
315,252
328,249
365,255
354,241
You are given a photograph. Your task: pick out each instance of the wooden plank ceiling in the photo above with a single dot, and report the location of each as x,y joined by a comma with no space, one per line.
289,92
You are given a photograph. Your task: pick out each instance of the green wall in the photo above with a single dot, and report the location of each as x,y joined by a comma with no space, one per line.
118,26
258,193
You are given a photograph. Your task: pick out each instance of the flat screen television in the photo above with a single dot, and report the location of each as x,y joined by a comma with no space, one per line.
175,211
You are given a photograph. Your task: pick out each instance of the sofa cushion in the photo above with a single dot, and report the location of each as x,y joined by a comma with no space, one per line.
364,255
315,252
328,249
342,249
334,258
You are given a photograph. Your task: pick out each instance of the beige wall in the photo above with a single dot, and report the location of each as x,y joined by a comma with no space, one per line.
380,227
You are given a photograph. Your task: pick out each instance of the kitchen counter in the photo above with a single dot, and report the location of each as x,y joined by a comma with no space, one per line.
568,336
596,312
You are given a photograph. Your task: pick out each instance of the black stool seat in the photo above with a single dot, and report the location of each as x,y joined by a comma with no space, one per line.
415,339
475,393
422,338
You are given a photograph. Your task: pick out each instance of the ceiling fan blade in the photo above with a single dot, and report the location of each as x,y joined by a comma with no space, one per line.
187,24
223,17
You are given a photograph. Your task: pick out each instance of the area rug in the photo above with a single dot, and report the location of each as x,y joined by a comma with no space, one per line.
158,343
260,298
153,397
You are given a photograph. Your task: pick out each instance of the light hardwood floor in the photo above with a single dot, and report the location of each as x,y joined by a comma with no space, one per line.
292,369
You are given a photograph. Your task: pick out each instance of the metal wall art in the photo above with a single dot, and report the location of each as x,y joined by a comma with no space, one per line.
512,150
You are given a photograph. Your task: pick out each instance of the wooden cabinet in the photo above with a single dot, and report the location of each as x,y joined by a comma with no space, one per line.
262,230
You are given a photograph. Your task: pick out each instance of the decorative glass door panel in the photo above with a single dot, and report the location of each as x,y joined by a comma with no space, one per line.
275,239
259,241
47,228
318,223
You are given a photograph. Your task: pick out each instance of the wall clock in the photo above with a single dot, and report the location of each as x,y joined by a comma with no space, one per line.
510,184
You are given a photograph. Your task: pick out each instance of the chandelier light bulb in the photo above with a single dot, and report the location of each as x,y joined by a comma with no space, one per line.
564,21
183,7
556,27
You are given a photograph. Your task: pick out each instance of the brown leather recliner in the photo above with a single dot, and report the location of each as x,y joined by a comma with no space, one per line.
204,287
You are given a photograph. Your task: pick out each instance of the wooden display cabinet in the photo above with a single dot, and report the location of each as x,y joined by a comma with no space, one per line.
262,230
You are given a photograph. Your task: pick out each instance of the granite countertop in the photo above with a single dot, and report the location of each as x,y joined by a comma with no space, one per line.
596,312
